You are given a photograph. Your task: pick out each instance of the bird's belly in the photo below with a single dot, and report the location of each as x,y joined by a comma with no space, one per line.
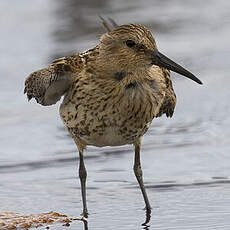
103,129
104,119
109,137
112,136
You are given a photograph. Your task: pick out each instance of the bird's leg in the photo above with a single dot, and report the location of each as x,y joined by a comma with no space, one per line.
83,176
138,173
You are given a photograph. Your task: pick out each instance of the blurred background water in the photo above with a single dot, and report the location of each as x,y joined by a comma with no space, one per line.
185,159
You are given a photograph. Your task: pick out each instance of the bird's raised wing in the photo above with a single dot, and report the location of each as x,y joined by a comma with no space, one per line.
109,24
49,84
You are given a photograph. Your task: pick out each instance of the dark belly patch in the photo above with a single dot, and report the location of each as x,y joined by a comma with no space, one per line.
131,85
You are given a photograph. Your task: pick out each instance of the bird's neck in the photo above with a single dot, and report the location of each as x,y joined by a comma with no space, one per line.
120,73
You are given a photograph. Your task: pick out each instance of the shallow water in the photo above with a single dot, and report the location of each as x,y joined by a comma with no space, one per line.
185,159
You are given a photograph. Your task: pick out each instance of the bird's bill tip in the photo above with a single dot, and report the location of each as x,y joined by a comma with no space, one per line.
161,60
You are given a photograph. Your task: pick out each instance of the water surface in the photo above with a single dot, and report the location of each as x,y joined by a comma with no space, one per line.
185,159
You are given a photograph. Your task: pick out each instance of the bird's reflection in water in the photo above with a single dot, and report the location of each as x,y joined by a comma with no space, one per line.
85,222
147,220
145,225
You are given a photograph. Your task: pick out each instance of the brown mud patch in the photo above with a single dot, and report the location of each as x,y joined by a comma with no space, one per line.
11,220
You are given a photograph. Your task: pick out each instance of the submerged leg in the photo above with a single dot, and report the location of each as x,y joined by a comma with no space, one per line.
83,176
138,173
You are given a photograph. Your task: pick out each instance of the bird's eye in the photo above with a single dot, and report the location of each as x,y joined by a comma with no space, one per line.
130,43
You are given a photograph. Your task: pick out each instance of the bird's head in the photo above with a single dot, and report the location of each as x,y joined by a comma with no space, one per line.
132,47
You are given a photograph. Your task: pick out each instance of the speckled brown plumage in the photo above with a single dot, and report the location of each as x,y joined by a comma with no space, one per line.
111,92
49,84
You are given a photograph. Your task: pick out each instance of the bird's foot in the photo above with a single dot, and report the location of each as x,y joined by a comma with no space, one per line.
85,214
147,209
84,219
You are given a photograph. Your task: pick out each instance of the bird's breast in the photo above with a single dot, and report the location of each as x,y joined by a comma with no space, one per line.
110,113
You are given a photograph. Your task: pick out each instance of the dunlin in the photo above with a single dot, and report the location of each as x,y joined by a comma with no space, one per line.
112,92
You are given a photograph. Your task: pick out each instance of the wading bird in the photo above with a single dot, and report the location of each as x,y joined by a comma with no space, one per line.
111,92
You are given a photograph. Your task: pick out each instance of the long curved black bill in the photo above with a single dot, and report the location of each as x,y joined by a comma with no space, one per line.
163,61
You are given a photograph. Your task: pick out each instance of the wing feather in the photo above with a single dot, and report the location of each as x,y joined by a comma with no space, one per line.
169,102
48,85
106,24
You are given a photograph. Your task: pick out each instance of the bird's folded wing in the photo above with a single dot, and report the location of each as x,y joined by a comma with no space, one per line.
49,84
